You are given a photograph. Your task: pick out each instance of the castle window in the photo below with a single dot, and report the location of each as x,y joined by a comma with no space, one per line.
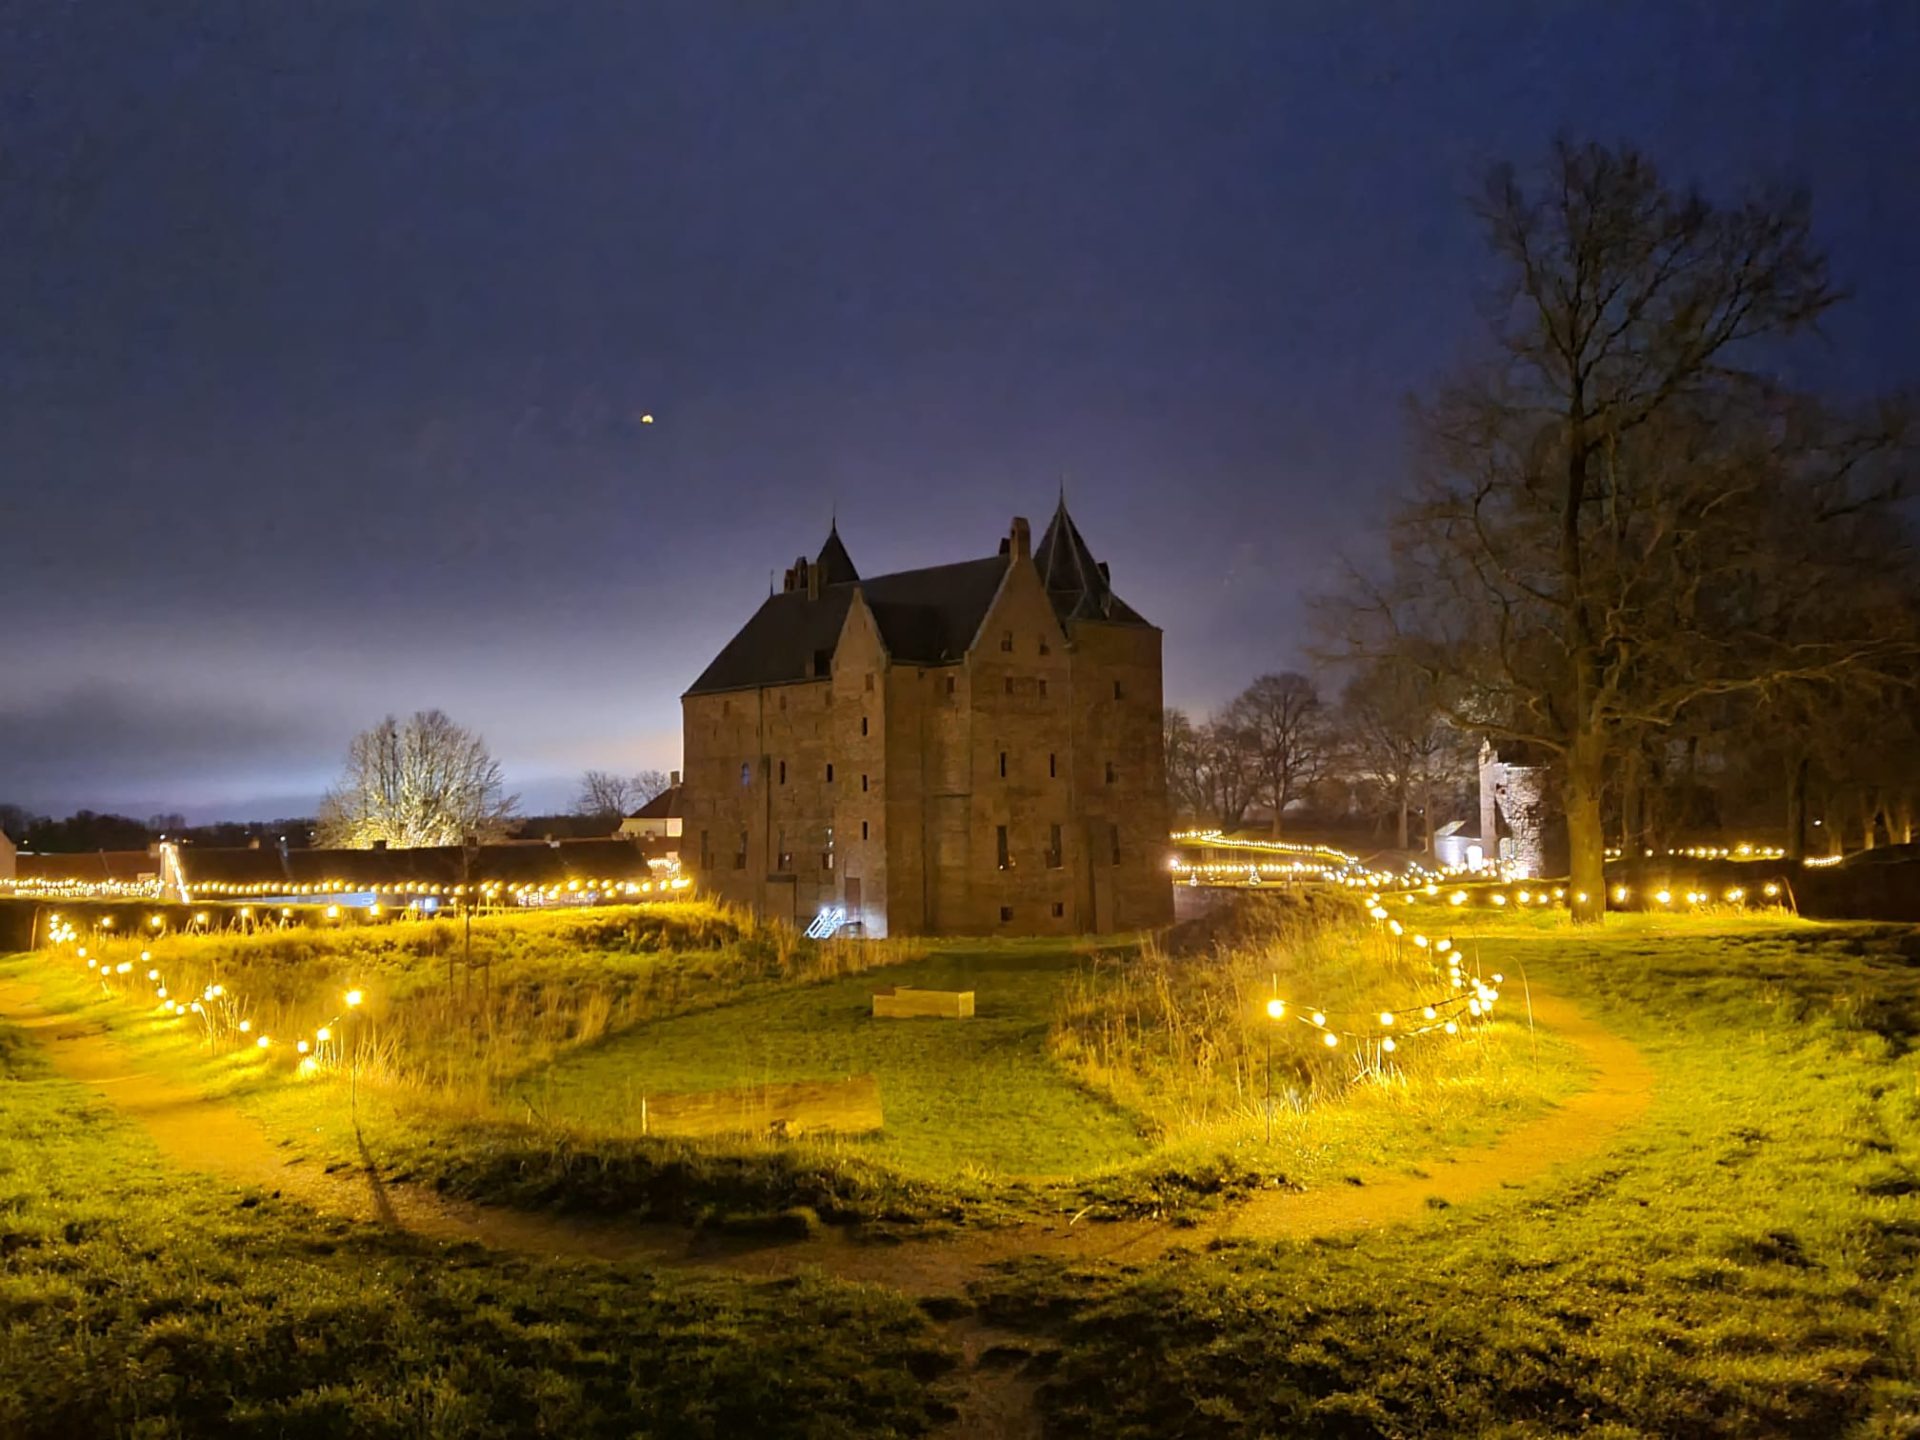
1045,649
1053,766
1119,691
1113,839
786,855
783,772
826,855
1003,764
1112,774
863,724
740,855
863,784
1059,910
829,772
1043,688
1000,844
746,772
869,681
1006,914
863,829
1055,854
1006,642
950,684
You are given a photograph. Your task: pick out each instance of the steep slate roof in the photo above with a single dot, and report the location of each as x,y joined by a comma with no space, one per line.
1076,582
926,617
833,563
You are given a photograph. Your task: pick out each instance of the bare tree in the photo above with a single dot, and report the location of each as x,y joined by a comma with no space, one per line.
1396,739
604,795
1224,774
425,782
1181,742
1604,511
1280,720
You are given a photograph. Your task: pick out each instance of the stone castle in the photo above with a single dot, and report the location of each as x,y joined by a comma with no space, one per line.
971,748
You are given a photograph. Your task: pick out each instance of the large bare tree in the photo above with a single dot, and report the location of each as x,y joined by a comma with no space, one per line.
1603,522
427,781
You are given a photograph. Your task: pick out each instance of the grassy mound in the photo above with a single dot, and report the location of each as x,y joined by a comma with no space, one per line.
136,1300
1744,1264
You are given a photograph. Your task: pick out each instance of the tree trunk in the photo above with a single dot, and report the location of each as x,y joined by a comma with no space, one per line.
1633,799
1586,836
1426,812
1797,808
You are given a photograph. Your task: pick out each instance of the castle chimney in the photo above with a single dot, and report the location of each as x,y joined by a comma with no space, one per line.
812,572
1020,544
673,779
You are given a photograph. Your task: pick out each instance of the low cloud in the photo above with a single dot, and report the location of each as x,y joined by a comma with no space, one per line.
106,746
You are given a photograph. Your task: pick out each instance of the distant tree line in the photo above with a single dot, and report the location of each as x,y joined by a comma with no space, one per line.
89,831
1380,752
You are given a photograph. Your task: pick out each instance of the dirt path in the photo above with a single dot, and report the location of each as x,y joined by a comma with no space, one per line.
216,1138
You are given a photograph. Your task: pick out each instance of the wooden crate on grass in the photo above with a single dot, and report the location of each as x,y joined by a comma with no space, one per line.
901,1002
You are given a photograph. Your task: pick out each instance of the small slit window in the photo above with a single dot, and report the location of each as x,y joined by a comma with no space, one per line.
1112,774
1006,914
1006,642
1003,764
863,829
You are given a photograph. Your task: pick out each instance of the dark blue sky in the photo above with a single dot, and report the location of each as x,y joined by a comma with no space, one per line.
325,329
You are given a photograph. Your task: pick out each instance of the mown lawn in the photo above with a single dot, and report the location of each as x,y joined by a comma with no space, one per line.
1742,1264
961,1097
138,1300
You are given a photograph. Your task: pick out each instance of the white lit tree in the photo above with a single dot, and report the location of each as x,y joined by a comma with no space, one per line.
427,781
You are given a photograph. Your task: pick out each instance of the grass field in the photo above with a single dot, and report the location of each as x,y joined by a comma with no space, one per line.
524,1086
1744,1264
974,1097
137,1300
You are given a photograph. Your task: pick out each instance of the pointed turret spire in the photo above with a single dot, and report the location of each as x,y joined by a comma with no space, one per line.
1075,580
834,565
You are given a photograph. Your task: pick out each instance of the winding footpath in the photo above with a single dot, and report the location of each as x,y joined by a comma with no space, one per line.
216,1138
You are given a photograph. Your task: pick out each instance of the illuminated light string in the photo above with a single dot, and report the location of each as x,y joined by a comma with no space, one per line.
214,996
152,889
1468,1000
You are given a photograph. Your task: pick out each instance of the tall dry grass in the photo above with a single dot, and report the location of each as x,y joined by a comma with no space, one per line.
1180,1033
461,1015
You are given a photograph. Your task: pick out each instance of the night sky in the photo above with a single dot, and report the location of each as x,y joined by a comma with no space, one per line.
325,330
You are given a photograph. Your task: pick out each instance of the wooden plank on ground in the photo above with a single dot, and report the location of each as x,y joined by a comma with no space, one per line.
898,1002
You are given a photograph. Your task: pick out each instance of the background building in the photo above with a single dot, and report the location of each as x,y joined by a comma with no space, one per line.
967,748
